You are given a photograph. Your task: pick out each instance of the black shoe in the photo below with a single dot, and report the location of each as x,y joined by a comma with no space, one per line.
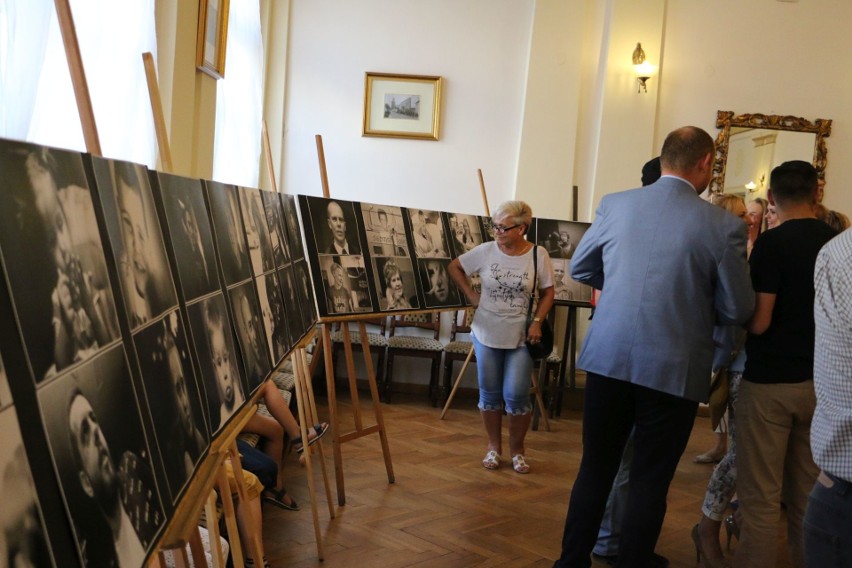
657,561
609,560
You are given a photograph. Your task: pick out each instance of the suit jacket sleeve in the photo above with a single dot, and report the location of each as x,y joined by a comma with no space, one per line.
587,261
734,294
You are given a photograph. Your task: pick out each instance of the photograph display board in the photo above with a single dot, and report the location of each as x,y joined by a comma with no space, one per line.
560,239
251,336
224,205
137,243
174,399
188,229
334,247
256,230
390,259
102,460
53,257
213,339
433,253
22,523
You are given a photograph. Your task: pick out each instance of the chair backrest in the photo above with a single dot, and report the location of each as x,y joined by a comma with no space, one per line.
430,321
462,322
377,322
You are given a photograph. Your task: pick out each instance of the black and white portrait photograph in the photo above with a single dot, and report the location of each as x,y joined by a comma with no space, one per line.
295,321
272,312
345,284
428,232
438,290
385,230
291,222
274,213
560,238
334,225
191,236
174,399
566,290
305,292
104,466
250,334
136,238
217,357
53,257
228,228
465,232
257,231
396,283
487,228
402,106
23,537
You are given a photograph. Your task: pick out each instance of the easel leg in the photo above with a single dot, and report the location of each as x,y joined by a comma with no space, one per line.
312,406
255,538
332,412
538,398
458,381
305,422
213,531
377,406
230,519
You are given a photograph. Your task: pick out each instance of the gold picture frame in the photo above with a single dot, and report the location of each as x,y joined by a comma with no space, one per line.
402,106
212,37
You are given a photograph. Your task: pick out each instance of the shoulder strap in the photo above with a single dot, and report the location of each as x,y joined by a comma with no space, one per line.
535,282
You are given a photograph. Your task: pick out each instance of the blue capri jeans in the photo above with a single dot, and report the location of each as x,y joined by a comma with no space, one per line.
504,375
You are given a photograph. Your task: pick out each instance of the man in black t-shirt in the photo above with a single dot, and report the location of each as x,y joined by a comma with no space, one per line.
776,399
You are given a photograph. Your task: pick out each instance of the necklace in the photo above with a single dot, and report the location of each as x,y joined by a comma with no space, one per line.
523,249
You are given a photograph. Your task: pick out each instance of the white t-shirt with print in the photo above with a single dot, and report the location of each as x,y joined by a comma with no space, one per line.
500,320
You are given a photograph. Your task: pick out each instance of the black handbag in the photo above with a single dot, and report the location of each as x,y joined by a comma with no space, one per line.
544,347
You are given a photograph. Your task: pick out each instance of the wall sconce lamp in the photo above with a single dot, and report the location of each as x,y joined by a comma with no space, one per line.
642,68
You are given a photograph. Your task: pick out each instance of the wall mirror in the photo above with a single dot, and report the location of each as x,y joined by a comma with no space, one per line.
750,145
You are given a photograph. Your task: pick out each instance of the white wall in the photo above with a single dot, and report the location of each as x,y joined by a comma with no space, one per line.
762,57
480,47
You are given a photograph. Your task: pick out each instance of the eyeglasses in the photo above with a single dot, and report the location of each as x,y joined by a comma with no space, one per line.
500,229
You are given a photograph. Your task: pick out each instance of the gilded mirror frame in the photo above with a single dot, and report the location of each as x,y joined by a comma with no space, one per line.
726,119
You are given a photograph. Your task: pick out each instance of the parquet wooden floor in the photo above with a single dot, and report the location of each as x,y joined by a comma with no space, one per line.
445,510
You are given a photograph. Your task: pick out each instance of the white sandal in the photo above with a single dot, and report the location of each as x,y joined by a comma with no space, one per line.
519,464
492,460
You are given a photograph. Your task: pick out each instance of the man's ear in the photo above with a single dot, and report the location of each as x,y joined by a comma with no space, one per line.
86,483
770,197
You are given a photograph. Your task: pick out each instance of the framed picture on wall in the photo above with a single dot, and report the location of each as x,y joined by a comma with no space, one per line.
212,36
402,106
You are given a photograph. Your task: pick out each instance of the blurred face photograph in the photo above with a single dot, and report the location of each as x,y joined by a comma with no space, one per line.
228,228
214,345
58,281
137,242
191,234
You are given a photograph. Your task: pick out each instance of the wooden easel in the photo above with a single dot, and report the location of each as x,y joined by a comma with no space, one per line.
533,381
305,402
325,344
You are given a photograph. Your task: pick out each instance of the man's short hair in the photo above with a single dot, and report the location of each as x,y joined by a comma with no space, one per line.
684,147
793,182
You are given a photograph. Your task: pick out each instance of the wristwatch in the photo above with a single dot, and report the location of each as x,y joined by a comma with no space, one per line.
537,319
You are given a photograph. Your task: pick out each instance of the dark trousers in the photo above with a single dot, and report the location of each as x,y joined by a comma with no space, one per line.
263,466
828,524
662,424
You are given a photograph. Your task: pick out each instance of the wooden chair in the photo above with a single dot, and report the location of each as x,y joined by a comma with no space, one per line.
404,345
376,339
457,349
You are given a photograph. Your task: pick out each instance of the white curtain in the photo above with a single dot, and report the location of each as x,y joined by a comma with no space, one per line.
112,37
239,99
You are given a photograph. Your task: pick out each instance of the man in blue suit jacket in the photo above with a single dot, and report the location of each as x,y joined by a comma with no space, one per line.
670,266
